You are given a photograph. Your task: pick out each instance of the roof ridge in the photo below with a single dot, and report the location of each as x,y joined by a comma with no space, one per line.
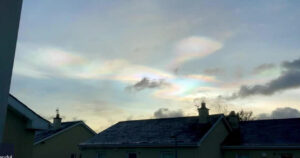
157,119
150,119
279,119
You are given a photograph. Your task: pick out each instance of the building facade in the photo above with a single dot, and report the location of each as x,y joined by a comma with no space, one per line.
186,137
61,139
20,126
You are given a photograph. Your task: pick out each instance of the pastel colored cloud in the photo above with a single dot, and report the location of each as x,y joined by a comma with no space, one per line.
195,47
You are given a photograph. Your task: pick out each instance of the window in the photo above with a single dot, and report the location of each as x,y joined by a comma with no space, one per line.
167,155
132,155
287,155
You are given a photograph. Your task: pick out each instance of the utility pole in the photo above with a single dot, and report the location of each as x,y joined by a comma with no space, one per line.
10,11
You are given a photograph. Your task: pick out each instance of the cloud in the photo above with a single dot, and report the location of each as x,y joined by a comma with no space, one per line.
213,71
280,113
201,77
194,47
42,62
289,79
147,83
262,68
165,113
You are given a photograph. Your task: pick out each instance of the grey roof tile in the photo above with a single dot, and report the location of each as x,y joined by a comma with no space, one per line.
153,132
279,132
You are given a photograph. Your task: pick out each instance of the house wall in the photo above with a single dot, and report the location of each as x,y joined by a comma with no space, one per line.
63,145
141,152
16,133
211,146
259,153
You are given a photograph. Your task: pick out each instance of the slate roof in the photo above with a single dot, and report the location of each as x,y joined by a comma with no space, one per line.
43,134
152,133
279,132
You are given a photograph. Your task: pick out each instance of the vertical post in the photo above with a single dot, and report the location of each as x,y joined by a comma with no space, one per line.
10,11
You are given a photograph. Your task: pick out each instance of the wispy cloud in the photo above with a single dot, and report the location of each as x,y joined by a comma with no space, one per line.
194,47
262,68
214,71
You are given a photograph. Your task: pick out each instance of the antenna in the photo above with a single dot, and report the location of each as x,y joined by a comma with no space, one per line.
197,102
57,113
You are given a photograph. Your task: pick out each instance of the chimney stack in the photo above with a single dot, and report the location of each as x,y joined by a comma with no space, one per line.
203,113
233,120
57,120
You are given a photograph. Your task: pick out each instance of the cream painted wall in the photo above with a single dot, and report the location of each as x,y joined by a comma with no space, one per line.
63,145
211,146
17,134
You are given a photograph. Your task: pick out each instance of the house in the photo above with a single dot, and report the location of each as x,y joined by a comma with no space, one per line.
20,125
182,137
278,138
61,139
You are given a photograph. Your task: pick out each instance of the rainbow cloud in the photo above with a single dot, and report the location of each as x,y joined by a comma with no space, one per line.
194,47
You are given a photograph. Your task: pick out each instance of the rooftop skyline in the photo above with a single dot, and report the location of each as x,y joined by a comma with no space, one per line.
108,61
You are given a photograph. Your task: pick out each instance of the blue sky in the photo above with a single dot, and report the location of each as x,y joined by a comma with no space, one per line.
106,61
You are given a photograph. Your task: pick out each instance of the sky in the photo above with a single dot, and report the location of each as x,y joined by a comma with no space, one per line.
108,61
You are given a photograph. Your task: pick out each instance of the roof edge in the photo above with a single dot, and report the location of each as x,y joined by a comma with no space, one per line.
261,147
89,145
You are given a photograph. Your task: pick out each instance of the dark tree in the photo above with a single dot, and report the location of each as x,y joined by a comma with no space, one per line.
245,115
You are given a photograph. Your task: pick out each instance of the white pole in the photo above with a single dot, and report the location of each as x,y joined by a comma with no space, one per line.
10,11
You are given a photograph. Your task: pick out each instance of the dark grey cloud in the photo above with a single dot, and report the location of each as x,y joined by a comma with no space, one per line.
280,113
147,83
165,113
262,68
289,79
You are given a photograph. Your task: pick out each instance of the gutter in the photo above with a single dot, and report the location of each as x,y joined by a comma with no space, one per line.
85,145
260,147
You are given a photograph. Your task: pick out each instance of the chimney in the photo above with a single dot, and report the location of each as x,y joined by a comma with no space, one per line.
57,120
203,113
233,120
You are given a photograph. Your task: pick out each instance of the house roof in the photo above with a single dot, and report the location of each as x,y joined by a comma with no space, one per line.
181,131
265,133
44,135
36,121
